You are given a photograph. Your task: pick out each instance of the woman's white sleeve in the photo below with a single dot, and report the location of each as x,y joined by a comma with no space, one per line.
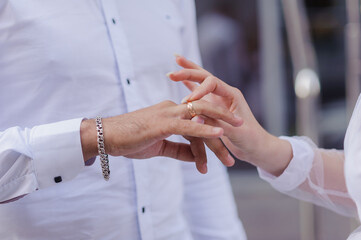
315,175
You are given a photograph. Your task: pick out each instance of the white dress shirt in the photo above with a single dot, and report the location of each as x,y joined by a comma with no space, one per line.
63,60
308,168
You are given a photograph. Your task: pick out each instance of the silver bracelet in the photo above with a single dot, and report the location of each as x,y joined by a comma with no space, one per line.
104,160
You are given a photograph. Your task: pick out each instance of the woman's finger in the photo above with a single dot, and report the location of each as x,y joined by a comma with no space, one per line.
190,128
190,85
212,85
208,84
194,75
236,151
220,151
183,62
228,130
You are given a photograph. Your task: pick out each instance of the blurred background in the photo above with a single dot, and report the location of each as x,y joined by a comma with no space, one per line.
297,63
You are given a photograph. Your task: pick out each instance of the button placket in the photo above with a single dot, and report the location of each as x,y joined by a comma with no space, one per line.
124,62
122,55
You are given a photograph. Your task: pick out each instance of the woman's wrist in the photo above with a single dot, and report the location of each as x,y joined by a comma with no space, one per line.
273,155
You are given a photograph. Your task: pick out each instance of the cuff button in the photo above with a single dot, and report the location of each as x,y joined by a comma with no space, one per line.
58,179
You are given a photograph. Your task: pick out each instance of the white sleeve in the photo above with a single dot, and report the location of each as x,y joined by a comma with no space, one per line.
39,157
315,175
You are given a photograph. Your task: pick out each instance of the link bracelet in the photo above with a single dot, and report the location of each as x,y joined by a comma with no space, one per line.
104,160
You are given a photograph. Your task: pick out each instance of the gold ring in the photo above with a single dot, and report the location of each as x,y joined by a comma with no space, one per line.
191,110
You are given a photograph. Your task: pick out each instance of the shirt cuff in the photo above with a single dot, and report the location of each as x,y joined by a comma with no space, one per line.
57,152
297,170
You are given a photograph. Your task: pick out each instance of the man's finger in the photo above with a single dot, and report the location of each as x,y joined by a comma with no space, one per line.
204,108
199,153
180,151
191,128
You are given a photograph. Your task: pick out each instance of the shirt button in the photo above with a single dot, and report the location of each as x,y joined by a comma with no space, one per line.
143,209
128,81
113,20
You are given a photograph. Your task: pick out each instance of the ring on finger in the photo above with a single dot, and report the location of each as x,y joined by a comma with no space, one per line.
191,109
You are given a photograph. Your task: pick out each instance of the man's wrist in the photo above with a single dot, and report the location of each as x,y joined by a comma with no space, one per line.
88,137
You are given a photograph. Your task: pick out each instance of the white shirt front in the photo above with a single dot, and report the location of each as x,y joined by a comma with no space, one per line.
66,60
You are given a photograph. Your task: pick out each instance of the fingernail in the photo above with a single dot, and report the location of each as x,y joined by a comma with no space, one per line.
176,55
237,117
198,119
168,74
231,161
204,168
185,99
217,130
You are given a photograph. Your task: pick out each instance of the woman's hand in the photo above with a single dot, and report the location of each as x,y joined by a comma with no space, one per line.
250,142
141,134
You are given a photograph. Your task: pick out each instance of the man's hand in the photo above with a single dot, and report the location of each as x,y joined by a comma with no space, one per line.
141,134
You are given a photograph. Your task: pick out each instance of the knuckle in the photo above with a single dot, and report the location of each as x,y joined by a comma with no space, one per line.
213,79
182,72
189,75
172,126
223,111
220,111
209,79
198,107
168,128
237,91
168,103
176,126
185,73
